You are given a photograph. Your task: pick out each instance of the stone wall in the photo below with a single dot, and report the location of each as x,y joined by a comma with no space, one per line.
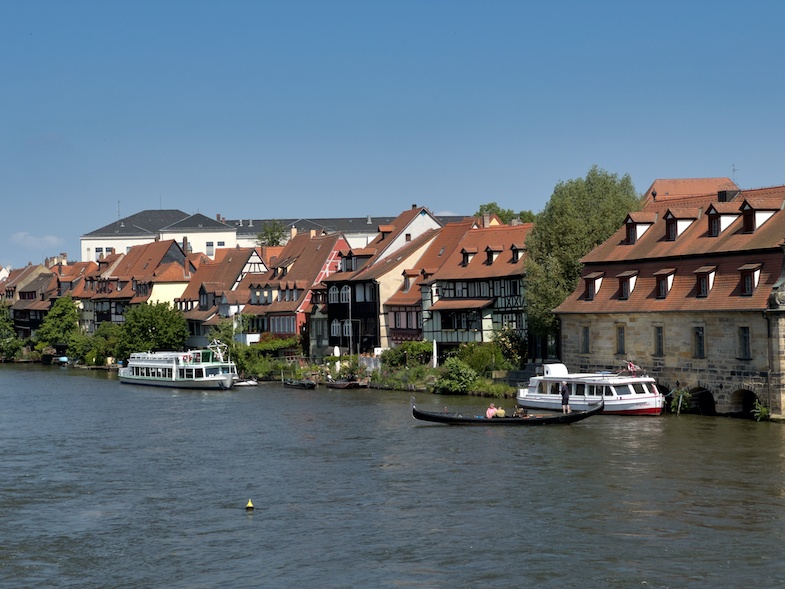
721,371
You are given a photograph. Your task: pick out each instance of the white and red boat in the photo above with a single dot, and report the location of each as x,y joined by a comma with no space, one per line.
628,392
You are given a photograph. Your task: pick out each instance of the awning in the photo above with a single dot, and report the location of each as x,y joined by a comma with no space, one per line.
457,304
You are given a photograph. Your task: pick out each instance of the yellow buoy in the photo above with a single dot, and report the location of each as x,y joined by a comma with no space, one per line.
249,505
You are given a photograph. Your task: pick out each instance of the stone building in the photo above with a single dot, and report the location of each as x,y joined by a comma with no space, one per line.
691,288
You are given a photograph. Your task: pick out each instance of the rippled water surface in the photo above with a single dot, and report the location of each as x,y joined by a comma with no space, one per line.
110,485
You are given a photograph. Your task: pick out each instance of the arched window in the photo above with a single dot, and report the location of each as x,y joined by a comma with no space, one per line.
347,328
332,295
346,293
335,328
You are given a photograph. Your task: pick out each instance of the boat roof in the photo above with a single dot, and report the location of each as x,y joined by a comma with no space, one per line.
610,377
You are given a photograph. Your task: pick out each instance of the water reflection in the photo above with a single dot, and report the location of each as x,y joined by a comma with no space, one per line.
116,485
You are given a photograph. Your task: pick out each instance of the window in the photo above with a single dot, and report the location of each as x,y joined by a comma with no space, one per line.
704,279
750,273
221,244
210,249
593,283
335,328
714,225
745,351
632,233
586,340
347,328
699,342
664,281
332,294
346,294
659,340
620,339
408,237
748,217
671,230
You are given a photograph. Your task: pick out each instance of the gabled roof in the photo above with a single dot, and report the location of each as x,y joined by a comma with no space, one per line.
668,189
141,261
695,239
694,252
499,236
224,273
439,251
196,223
144,223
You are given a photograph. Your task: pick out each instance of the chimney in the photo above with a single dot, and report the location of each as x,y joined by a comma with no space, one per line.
486,219
218,217
293,231
185,245
313,233
414,205
369,221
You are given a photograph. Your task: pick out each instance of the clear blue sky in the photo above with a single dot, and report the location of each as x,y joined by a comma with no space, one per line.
348,108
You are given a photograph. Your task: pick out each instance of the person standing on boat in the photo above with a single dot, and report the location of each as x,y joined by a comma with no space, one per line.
565,397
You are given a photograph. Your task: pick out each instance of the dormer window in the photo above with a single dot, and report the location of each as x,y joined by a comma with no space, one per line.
664,281
756,211
626,283
636,224
677,221
750,274
516,253
720,216
704,280
468,254
593,283
492,252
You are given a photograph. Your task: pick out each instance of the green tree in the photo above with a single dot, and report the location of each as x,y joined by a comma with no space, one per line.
272,233
9,343
580,215
59,324
152,327
505,215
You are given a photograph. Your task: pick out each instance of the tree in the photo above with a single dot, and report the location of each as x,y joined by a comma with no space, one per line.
9,343
272,233
150,328
59,324
505,215
580,215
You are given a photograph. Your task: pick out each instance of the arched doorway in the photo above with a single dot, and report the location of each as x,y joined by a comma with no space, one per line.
741,403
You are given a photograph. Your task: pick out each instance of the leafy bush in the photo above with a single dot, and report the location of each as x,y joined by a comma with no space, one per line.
761,412
491,388
680,401
456,377
483,358
408,354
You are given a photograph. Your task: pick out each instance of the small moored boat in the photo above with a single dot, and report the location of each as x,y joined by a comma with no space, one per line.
299,384
626,392
513,420
346,384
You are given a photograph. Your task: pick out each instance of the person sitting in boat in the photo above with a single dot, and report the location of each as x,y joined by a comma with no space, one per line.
565,397
490,411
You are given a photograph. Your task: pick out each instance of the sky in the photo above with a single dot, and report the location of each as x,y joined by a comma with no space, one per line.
288,109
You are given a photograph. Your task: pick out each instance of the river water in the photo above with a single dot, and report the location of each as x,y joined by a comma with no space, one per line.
110,485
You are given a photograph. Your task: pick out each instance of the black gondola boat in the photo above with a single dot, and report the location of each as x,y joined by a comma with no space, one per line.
513,420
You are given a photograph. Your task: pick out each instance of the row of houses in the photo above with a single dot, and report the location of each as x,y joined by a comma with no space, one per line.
692,287
450,280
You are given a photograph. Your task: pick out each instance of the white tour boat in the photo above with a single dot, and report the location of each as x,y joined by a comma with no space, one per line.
195,369
628,392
